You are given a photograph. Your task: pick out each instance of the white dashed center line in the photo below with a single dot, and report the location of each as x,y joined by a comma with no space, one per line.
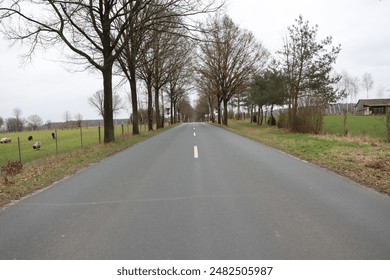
196,154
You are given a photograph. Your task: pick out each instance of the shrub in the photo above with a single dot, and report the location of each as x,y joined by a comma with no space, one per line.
10,170
282,119
308,120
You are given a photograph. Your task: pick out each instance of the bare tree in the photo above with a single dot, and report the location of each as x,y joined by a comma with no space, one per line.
367,82
181,74
34,121
92,30
19,123
350,85
49,124
229,57
381,91
158,59
168,22
185,110
129,60
67,118
164,54
79,118
17,112
202,108
96,32
97,102
207,88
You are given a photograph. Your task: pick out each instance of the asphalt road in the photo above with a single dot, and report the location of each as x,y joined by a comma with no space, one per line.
199,192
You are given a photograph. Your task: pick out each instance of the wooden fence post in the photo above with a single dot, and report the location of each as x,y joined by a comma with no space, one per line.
20,153
388,123
81,136
345,122
55,131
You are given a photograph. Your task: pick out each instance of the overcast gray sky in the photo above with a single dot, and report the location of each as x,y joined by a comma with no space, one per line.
362,27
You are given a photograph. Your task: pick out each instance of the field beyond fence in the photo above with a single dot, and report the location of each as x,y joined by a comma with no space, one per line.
366,126
68,140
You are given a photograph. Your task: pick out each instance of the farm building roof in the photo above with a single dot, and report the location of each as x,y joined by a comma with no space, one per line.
374,102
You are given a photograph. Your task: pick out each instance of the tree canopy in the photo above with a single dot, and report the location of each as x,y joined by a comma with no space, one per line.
308,65
228,58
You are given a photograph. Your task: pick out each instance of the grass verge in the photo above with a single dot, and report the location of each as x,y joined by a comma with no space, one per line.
364,160
46,171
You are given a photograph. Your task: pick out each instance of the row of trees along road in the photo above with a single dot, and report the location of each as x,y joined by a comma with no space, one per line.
300,76
228,58
111,36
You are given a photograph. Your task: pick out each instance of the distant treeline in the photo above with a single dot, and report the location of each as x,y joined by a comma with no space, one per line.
338,109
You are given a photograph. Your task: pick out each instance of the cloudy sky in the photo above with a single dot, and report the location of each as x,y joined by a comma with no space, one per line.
46,87
362,27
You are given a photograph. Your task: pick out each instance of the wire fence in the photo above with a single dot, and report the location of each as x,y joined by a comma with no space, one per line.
28,146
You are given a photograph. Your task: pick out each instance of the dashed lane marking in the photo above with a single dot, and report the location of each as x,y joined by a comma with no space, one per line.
196,153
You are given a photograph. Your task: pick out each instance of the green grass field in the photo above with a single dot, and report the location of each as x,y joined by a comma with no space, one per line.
371,126
68,140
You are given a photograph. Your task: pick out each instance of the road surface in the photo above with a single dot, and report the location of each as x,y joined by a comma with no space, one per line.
199,192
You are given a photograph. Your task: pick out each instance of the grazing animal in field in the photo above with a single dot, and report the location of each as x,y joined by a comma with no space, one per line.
37,146
5,140
53,135
30,138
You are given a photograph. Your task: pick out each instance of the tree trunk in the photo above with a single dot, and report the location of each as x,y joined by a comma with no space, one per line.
251,113
239,107
293,111
219,112
157,105
163,110
109,135
134,99
174,112
261,117
212,109
150,106
225,112
388,123
171,109
345,122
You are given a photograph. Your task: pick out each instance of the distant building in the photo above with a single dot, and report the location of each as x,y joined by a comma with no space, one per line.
367,107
